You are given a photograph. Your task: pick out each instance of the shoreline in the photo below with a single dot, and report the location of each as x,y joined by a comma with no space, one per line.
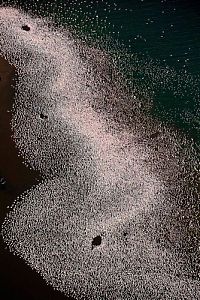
18,176
17,279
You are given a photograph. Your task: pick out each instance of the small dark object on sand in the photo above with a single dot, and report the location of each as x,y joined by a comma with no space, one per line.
96,241
44,117
26,27
154,135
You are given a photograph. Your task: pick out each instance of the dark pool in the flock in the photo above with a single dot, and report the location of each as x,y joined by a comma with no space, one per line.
179,22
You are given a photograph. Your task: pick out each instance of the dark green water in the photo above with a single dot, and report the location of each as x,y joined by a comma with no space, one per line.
162,34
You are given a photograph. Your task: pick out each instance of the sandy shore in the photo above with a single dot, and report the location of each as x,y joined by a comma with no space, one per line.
17,281
18,176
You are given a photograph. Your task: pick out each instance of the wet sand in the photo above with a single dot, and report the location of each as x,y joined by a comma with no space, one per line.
17,280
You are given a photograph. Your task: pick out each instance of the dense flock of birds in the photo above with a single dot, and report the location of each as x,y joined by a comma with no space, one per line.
107,220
